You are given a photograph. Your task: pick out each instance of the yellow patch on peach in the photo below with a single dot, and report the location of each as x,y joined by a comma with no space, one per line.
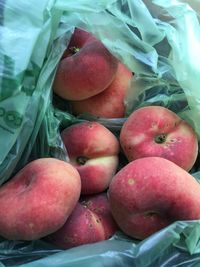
131,181
103,161
154,126
184,131
138,139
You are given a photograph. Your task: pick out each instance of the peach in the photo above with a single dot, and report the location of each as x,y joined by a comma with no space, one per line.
158,131
100,205
38,199
150,193
110,102
86,68
90,222
93,151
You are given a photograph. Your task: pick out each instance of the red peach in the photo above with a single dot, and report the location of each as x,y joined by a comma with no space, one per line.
158,131
90,222
150,193
100,205
110,102
93,151
38,199
86,68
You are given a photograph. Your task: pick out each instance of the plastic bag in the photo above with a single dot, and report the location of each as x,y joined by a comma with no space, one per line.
159,41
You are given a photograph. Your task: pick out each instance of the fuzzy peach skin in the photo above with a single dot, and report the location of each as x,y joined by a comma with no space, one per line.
111,102
150,193
99,204
86,68
38,199
158,131
90,222
93,151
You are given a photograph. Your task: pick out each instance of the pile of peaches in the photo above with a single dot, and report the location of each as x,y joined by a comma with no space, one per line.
90,197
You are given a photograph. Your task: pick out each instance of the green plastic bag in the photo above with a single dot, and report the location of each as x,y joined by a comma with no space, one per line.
159,41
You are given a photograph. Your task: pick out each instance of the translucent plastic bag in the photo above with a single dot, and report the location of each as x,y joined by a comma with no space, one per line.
159,41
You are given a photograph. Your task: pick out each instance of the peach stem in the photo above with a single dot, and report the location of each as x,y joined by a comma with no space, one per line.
161,138
81,160
74,49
